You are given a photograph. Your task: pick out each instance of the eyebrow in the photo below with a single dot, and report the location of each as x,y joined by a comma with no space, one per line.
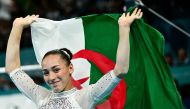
50,68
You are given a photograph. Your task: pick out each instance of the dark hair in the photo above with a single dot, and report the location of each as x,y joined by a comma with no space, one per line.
64,53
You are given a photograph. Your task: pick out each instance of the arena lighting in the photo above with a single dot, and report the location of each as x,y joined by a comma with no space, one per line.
25,68
140,3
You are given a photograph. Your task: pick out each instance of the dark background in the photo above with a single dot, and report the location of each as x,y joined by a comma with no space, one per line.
177,45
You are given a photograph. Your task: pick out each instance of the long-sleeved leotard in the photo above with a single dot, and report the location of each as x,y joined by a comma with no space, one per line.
85,98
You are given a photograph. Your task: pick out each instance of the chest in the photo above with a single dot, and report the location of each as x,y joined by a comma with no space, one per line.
61,103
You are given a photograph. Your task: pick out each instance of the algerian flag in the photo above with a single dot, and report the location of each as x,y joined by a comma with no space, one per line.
93,40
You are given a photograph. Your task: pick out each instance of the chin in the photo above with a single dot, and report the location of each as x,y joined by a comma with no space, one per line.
58,90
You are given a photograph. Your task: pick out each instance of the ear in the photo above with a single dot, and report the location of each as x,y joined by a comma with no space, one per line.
71,68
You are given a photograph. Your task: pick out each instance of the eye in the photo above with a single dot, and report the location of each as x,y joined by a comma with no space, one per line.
45,72
56,70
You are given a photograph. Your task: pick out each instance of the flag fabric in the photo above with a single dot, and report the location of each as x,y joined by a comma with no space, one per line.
93,40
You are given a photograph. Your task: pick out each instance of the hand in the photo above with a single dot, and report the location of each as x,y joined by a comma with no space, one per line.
24,22
126,20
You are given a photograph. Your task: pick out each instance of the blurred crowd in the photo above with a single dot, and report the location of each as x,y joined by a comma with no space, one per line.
177,49
54,9
181,60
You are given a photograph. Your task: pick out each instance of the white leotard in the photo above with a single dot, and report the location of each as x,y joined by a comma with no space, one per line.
85,98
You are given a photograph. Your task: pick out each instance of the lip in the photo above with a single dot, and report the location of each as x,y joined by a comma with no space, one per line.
54,84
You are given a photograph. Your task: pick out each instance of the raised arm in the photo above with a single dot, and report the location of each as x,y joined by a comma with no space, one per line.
108,82
123,50
13,47
23,82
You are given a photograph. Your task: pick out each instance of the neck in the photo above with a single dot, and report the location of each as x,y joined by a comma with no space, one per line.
68,86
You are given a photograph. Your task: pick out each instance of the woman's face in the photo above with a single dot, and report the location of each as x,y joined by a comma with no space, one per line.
56,73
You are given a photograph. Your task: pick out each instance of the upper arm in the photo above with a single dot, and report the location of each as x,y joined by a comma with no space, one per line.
27,86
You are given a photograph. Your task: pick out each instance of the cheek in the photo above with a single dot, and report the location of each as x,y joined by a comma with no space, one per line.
45,78
64,75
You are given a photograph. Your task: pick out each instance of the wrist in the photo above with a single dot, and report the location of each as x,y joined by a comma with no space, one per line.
124,31
18,26
122,27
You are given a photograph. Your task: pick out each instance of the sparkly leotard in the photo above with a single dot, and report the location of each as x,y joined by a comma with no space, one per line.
85,98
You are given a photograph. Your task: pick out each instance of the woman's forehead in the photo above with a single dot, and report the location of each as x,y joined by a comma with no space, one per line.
52,60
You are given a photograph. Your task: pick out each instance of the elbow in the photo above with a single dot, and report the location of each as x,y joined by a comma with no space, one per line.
122,67
10,68
121,70
7,69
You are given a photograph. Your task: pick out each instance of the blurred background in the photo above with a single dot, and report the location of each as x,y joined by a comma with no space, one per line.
177,44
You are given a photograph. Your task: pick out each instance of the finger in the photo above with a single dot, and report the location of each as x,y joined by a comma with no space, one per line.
141,14
30,17
37,15
27,16
128,14
134,12
34,18
123,15
138,12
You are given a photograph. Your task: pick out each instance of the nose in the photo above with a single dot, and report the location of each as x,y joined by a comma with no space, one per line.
52,76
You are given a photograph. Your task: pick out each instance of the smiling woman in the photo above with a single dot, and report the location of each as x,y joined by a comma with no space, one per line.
57,70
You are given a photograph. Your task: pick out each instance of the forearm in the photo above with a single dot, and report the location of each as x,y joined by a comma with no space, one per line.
123,52
13,49
104,86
